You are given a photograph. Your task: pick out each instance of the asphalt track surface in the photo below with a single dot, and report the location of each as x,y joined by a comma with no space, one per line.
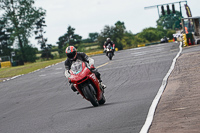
42,102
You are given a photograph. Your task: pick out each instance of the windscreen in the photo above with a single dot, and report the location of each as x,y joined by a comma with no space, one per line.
76,67
109,46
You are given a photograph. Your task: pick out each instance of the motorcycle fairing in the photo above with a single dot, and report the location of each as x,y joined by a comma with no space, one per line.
83,78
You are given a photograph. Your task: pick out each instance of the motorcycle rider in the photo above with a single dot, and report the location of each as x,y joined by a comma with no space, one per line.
108,40
73,55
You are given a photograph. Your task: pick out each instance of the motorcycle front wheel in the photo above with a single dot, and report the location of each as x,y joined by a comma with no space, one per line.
91,96
110,55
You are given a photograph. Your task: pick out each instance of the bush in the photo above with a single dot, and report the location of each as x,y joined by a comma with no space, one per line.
47,55
170,34
29,52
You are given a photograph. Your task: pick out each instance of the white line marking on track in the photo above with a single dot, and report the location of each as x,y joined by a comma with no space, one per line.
30,72
59,68
57,73
138,48
154,104
42,75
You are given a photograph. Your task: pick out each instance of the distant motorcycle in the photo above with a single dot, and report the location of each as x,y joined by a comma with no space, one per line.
164,40
109,51
86,82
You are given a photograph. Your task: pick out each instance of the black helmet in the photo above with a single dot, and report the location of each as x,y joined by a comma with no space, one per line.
71,52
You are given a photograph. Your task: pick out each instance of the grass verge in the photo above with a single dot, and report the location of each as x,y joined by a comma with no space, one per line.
30,67
27,68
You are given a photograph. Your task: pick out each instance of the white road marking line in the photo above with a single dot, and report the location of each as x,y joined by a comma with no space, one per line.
154,104
139,53
59,68
138,48
57,73
179,109
42,75
31,72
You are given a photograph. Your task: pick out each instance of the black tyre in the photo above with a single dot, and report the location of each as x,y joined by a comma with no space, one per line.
110,56
103,100
91,96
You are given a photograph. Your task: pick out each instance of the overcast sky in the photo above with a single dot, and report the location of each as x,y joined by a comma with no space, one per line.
88,16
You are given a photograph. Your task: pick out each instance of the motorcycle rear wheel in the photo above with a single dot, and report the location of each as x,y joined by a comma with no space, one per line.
91,96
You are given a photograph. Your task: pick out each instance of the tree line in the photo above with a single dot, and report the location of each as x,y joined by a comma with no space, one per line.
166,26
20,19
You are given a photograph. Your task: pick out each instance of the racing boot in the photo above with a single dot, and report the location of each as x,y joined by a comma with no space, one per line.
102,86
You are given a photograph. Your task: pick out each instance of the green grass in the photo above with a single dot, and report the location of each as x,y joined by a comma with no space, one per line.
30,67
27,68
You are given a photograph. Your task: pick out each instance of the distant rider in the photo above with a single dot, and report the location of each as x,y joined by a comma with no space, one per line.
108,40
73,55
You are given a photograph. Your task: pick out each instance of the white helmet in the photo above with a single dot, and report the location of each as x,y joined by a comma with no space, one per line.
108,39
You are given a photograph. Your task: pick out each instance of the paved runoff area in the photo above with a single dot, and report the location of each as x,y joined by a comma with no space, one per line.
178,110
